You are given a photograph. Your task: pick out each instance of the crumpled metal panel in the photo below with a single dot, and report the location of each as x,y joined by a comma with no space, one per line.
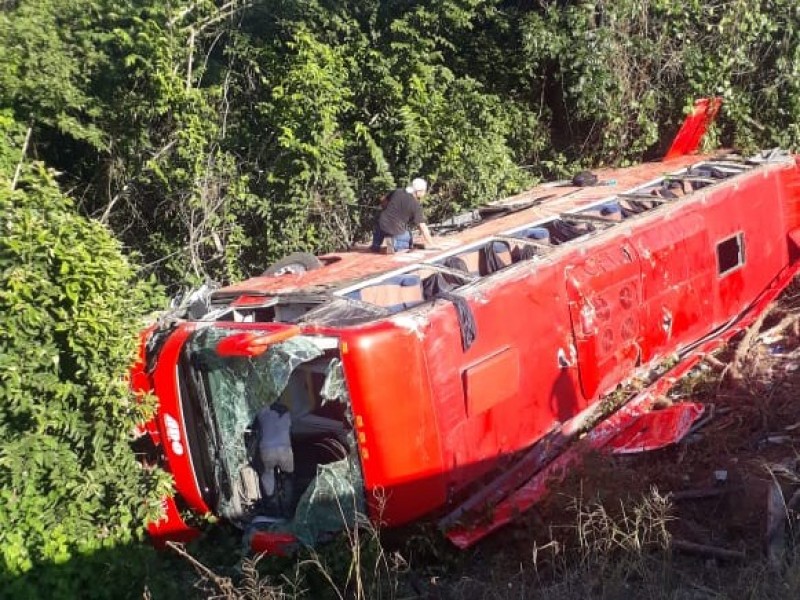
657,429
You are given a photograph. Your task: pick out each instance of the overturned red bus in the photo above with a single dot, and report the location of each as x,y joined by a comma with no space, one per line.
415,382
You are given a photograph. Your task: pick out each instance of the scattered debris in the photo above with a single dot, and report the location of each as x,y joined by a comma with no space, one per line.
657,429
775,537
705,420
705,550
716,364
774,439
702,494
740,358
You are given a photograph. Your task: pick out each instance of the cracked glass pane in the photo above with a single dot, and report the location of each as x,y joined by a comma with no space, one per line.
239,387
333,501
334,387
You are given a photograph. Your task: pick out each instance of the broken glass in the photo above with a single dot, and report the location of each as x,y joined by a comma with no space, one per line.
333,501
334,387
344,311
239,387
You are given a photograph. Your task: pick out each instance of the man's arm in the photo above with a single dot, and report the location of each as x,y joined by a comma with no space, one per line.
426,235
419,221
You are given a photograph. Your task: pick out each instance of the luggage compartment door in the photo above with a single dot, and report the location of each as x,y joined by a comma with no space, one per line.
605,305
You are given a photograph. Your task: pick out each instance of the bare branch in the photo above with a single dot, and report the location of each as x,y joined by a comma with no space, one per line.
18,170
231,9
107,212
704,550
181,15
190,59
223,584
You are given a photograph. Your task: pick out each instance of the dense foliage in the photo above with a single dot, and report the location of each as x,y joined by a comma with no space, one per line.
216,136
69,484
210,137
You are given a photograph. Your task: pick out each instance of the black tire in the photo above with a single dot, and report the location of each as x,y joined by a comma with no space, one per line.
296,262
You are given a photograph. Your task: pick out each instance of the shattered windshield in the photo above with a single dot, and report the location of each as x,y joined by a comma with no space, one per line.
239,387
317,488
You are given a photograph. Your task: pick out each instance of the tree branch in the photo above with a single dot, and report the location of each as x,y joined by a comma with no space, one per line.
231,9
18,170
190,60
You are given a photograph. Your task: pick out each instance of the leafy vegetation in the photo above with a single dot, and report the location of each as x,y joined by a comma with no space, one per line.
204,139
214,137
69,308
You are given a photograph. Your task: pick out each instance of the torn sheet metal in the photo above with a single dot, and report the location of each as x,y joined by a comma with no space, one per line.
657,429
535,489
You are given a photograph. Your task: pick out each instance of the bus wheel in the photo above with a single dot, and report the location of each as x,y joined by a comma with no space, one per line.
297,262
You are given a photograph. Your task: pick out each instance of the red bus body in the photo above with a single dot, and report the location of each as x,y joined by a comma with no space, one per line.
431,414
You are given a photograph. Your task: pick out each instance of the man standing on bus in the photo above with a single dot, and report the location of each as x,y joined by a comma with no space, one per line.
399,208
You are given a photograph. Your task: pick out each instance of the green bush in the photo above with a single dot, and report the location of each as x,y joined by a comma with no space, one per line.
70,309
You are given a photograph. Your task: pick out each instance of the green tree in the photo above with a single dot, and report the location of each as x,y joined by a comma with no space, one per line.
70,309
216,136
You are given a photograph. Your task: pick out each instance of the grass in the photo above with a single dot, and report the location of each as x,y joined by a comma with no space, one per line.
606,549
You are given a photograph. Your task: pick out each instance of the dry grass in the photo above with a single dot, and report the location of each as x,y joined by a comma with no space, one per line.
250,586
615,551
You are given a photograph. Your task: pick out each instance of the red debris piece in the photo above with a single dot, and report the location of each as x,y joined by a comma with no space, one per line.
657,429
694,127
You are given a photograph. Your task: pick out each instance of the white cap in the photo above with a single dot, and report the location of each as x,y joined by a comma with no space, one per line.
418,185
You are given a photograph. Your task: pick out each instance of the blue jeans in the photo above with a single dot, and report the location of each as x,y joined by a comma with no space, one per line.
402,241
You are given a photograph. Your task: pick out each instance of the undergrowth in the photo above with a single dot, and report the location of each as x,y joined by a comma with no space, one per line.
604,549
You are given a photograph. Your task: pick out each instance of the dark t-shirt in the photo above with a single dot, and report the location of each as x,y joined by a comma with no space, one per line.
401,208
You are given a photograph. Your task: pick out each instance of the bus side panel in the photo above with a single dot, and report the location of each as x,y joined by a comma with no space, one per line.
677,273
395,424
790,186
508,389
604,288
752,210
